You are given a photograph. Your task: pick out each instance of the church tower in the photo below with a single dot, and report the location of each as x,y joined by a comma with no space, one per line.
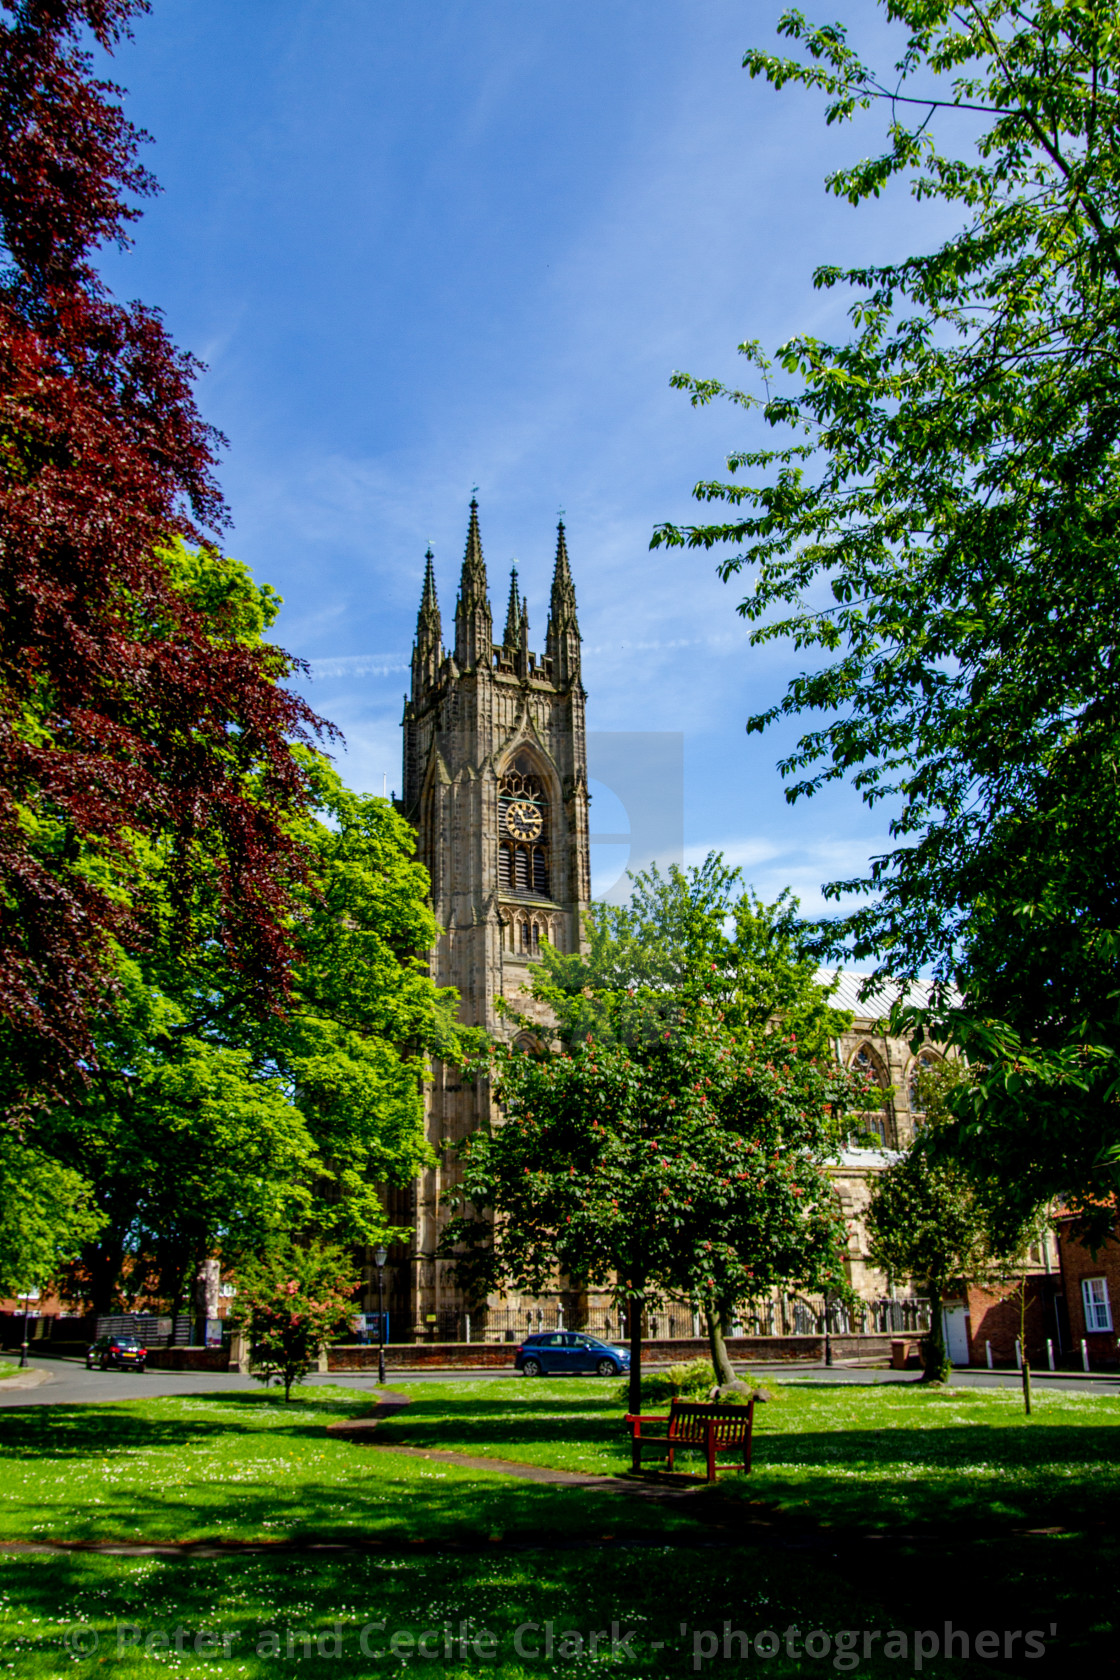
495,783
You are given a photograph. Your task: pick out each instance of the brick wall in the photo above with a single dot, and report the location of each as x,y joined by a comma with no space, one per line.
1078,1263
189,1359
997,1315
748,1350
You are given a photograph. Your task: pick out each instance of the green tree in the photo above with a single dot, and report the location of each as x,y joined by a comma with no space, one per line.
292,1300
678,1137
45,1216
929,1220
208,1117
941,525
207,1127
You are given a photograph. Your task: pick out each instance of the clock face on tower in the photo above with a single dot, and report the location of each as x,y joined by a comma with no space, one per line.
523,820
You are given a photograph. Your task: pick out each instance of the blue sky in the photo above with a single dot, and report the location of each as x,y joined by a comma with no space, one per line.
427,247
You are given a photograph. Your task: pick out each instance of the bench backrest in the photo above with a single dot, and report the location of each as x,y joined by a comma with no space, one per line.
689,1420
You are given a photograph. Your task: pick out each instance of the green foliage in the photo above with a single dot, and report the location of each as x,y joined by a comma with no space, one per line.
937,527
45,1216
210,1119
929,1220
682,1145
691,1381
687,937
292,1300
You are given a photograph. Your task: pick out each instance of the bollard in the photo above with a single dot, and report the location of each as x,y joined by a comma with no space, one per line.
468,1318
988,1345
1050,1352
1018,1354
1084,1354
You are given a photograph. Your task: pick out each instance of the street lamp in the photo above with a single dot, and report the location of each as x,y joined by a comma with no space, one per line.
23,1349
379,1259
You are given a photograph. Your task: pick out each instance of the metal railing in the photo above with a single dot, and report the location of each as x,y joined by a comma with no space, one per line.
782,1315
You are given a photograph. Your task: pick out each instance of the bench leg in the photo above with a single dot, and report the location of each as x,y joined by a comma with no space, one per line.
711,1454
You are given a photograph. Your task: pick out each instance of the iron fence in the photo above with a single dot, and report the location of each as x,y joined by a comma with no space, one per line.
782,1315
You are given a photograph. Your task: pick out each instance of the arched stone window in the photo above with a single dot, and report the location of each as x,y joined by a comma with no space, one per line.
924,1062
875,1120
523,832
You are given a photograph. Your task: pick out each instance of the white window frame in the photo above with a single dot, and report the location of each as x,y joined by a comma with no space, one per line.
1096,1305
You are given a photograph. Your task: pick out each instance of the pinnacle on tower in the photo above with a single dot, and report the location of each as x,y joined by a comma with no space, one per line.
563,638
563,602
513,612
427,651
428,617
474,625
472,585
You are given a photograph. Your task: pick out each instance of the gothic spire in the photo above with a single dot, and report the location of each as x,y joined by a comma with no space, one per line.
427,651
563,589
472,585
474,626
562,639
513,612
428,617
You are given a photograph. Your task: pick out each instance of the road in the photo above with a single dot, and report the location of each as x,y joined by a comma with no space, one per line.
72,1385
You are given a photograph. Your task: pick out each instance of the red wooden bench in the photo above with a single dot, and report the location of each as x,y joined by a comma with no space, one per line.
695,1423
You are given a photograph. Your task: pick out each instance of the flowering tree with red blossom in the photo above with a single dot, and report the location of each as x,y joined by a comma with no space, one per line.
292,1300
130,709
678,1133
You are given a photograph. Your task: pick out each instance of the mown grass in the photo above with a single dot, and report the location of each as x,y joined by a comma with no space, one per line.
87,1616
870,1456
933,1497
248,1467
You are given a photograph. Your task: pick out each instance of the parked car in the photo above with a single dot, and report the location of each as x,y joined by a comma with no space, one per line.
551,1352
125,1352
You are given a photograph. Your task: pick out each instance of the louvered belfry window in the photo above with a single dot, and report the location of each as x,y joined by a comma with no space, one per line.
523,832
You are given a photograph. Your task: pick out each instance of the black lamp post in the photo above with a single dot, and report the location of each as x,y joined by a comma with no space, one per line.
379,1259
23,1349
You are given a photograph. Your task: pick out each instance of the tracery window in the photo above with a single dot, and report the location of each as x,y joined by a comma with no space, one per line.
876,1120
925,1062
523,850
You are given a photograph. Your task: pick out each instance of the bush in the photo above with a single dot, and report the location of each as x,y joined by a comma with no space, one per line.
681,1382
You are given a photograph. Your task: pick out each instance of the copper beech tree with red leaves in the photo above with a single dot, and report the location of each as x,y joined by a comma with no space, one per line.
128,711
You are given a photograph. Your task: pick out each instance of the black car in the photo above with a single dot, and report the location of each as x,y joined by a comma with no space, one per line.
551,1352
125,1352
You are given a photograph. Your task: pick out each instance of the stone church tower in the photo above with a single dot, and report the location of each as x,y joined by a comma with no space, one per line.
495,783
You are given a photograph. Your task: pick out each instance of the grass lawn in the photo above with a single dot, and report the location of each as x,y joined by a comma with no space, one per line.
875,1455
887,1508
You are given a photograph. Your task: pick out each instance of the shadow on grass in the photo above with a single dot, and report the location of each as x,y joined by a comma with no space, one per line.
664,1599
81,1430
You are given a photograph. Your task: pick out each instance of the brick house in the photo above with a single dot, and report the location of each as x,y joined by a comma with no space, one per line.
1091,1286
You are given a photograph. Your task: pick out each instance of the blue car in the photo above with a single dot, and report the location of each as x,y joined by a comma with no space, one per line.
553,1352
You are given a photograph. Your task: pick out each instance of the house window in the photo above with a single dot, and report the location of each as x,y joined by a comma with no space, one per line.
1094,1296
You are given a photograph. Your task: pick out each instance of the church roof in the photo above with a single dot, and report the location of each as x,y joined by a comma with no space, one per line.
879,1002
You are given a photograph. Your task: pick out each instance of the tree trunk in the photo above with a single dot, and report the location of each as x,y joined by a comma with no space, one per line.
635,1301
104,1265
721,1359
936,1366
